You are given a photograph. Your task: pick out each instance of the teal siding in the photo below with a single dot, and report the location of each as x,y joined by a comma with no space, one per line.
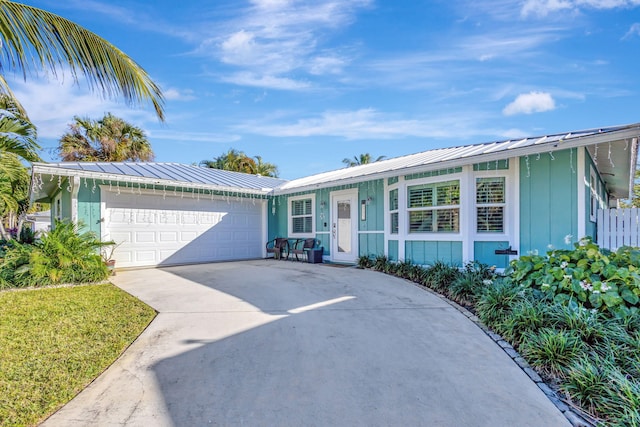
484,252
277,213
375,209
492,166
393,250
591,227
548,200
371,244
420,252
89,209
368,243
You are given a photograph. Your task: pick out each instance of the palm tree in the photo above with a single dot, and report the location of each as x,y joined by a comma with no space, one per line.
14,192
238,161
363,159
265,168
34,38
17,134
110,139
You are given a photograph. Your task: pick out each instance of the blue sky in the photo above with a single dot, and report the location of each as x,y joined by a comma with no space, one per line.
305,84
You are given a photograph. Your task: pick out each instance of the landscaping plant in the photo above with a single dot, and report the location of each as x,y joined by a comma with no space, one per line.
62,255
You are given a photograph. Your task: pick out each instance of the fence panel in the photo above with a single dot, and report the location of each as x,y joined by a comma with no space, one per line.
618,227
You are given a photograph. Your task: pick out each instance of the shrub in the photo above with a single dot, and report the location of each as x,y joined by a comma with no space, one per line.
588,384
61,256
586,276
380,262
552,351
590,325
365,261
440,275
471,282
526,316
497,302
623,400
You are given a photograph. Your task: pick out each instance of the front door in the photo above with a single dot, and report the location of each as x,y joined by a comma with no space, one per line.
344,226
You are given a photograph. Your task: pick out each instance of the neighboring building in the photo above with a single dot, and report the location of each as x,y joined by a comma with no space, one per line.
40,221
450,204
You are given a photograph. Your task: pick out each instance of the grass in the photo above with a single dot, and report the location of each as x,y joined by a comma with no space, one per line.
55,341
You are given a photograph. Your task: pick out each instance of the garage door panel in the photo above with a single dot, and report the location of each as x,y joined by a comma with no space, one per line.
153,231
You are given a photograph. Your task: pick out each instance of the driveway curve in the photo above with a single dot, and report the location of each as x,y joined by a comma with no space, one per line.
281,343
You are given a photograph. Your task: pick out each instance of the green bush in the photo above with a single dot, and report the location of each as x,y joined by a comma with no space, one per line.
439,276
497,302
471,282
586,276
526,316
552,351
61,256
588,385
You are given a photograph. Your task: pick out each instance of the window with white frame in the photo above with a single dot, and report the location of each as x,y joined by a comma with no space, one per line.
301,216
434,208
593,200
393,210
490,204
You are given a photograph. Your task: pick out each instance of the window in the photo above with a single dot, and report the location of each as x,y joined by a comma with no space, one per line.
301,216
393,210
434,208
490,205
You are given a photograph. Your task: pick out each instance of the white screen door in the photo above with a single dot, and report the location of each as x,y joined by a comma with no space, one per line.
344,226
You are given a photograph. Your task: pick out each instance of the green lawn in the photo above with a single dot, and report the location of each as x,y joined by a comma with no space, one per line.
55,341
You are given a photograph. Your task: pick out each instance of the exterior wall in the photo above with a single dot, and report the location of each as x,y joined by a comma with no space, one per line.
370,231
548,200
468,243
600,190
89,216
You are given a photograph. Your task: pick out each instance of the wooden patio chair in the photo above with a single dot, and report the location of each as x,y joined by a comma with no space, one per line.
279,247
302,247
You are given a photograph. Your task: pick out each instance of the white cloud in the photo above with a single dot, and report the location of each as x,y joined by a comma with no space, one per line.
633,31
51,106
189,136
273,39
173,94
265,81
368,123
532,102
546,7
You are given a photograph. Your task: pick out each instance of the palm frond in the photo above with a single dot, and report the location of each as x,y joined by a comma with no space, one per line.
36,38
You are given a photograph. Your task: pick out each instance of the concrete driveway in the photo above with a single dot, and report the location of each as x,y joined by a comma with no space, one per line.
276,343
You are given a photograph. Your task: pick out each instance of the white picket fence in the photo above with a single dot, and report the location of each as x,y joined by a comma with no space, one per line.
618,227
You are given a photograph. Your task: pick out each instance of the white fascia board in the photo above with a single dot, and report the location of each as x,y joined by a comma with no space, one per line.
634,159
43,169
545,147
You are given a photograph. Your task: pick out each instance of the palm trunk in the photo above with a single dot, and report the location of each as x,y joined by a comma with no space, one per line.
3,232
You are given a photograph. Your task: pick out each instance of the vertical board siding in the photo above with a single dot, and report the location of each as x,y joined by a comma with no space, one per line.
89,210
548,200
484,252
618,227
427,253
373,190
371,244
393,250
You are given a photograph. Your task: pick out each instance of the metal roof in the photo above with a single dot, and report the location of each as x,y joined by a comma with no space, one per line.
163,173
462,155
196,176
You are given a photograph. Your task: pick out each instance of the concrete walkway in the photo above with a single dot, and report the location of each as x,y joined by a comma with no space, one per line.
276,343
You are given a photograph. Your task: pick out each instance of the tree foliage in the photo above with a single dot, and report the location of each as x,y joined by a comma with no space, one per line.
33,38
110,139
362,159
237,161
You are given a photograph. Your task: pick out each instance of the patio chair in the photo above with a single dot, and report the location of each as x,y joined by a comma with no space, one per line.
279,247
302,247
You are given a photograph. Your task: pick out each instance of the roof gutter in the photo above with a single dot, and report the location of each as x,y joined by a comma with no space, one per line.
631,132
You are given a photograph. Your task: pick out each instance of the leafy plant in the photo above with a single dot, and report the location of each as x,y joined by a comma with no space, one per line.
497,302
469,285
365,261
587,383
440,275
552,351
526,316
60,256
586,276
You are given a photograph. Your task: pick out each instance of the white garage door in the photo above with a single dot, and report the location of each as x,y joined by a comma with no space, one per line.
152,230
